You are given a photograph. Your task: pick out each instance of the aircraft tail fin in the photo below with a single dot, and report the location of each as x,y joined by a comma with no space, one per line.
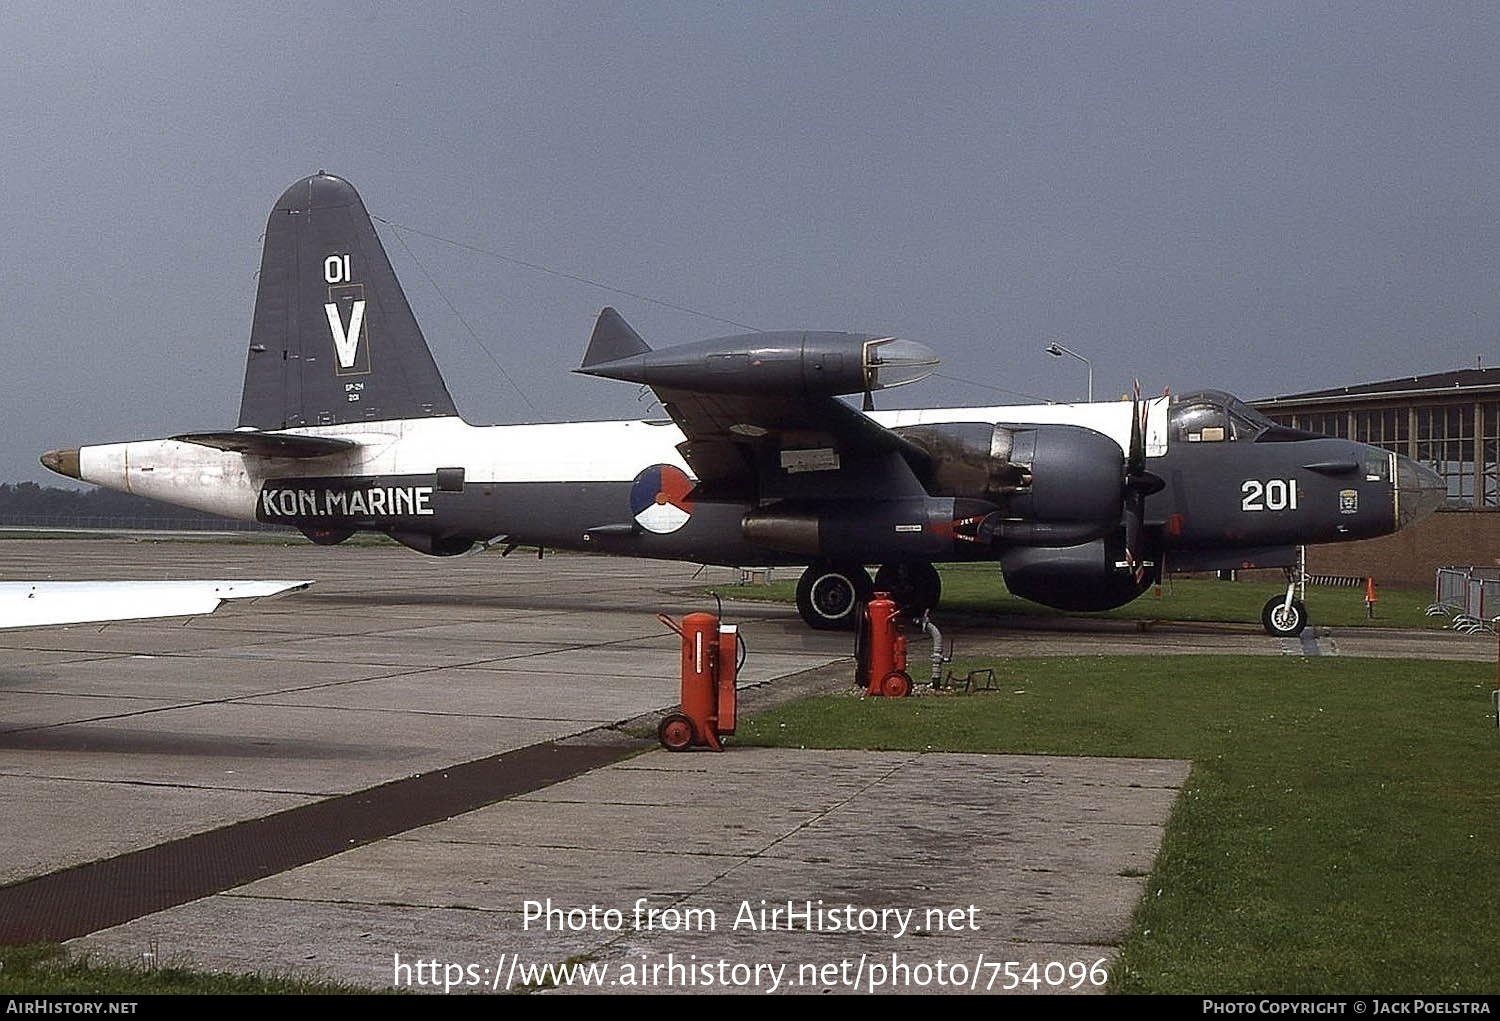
333,339
613,338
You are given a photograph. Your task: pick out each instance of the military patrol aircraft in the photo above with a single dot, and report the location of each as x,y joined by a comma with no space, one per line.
346,426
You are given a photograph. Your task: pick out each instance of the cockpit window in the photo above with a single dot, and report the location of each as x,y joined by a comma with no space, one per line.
1246,422
1211,416
1198,423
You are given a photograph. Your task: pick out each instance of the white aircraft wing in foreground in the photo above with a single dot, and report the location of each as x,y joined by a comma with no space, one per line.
35,603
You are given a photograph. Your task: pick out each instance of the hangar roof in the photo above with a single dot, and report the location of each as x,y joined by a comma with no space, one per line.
1467,383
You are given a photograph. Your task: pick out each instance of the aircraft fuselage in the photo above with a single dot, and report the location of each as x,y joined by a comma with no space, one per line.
570,486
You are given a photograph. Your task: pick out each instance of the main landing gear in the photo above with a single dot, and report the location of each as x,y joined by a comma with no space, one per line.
830,593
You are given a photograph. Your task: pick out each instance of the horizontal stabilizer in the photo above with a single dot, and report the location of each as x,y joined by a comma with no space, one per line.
613,339
265,444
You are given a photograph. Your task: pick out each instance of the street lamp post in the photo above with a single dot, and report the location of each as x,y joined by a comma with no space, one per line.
1056,350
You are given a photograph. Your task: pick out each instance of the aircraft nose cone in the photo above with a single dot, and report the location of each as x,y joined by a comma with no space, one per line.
1419,491
64,462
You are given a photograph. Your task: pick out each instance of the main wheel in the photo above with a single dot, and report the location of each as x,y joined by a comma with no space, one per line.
829,595
1284,621
675,733
916,588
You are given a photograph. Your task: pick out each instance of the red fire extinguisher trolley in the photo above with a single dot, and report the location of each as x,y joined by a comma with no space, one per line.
710,666
880,649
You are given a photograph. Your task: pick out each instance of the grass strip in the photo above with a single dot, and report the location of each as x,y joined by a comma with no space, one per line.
1336,835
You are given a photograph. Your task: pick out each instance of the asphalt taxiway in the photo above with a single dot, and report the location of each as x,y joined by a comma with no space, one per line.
448,762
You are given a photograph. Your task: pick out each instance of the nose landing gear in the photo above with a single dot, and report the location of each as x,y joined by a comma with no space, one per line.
1284,617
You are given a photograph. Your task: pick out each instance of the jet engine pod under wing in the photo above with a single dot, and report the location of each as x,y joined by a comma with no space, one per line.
910,529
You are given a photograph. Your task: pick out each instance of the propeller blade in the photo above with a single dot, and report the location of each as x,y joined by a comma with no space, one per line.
1136,457
1139,484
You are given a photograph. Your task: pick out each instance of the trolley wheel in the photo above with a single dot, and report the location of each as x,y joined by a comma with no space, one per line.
676,733
897,684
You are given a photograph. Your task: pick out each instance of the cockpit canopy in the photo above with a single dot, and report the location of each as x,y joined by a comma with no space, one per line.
1212,416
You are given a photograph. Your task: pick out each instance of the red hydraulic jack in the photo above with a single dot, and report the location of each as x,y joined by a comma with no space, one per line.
880,649
709,669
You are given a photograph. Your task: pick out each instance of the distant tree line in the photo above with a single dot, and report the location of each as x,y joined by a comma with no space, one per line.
26,504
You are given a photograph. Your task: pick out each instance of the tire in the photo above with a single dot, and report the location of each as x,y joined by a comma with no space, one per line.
829,595
1281,621
676,733
896,685
916,588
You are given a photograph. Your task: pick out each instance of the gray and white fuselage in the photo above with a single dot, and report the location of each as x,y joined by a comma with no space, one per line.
549,485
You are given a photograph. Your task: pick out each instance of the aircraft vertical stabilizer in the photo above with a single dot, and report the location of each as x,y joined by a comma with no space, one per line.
333,339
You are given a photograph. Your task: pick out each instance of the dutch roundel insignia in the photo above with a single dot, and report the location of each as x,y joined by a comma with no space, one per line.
659,499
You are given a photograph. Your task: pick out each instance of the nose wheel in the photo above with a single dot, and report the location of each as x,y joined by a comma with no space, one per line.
1283,619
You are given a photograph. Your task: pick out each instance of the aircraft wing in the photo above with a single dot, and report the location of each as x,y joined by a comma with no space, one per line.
779,447
35,603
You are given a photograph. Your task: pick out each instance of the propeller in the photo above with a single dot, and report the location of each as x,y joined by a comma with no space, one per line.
1139,484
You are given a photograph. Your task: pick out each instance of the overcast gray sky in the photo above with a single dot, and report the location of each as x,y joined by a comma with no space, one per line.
1261,197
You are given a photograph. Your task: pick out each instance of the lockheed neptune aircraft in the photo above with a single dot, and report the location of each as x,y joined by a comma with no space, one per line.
346,426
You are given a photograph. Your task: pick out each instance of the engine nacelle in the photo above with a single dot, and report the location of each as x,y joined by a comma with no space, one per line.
1056,475
1077,578
789,362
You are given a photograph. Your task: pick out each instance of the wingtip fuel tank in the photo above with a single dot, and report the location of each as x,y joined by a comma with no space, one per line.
785,362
